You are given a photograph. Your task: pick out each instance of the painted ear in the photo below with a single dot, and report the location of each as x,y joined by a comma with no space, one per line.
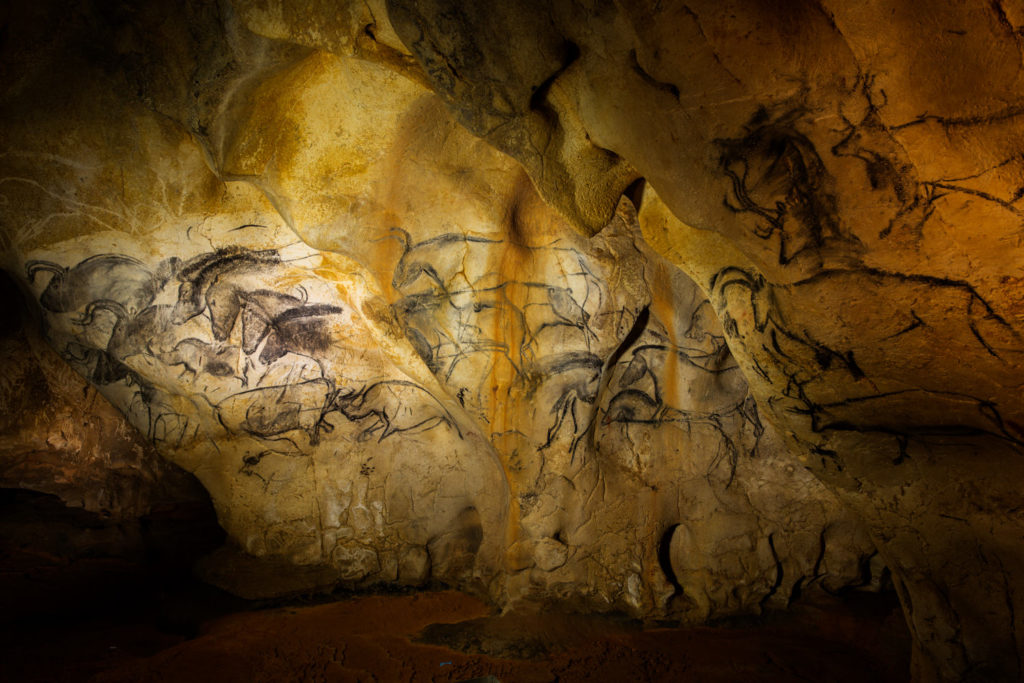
254,330
634,371
167,269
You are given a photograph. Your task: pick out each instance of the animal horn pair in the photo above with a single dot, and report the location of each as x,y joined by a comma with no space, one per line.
33,267
108,305
402,236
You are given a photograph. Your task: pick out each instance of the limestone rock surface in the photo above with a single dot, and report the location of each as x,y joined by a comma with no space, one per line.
382,353
843,182
59,436
676,309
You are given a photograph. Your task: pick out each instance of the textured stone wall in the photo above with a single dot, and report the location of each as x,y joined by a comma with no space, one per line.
61,437
680,309
843,182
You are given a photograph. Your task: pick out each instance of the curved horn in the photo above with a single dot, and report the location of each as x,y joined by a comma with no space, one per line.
33,267
341,396
108,305
402,236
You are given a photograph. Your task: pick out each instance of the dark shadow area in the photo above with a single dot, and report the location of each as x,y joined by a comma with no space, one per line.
80,592
84,597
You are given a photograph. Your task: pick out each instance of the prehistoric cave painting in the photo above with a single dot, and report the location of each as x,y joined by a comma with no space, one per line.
268,412
890,174
131,335
916,411
395,406
209,282
660,384
448,261
196,356
235,337
778,176
147,332
557,331
572,379
160,422
896,182
114,277
809,369
935,188
286,324
715,383
468,320
664,377
449,330
703,331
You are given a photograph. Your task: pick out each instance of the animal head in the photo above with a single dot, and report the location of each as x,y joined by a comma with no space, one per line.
189,303
408,270
345,399
634,371
630,406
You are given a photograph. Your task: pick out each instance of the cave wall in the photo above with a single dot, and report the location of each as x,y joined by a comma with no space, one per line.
674,309
843,182
62,438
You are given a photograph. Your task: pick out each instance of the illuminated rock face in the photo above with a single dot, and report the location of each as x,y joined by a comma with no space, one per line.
60,437
387,359
396,352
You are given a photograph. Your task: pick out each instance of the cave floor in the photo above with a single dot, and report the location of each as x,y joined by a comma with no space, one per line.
88,599
450,636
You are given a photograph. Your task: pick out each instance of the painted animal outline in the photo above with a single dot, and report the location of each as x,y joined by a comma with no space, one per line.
574,378
422,259
131,335
113,277
204,273
285,324
776,174
151,333
134,335
196,356
273,411
635,406
469,258
396,406
717,385
797,361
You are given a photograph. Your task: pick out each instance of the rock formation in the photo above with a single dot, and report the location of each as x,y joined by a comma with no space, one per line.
675,309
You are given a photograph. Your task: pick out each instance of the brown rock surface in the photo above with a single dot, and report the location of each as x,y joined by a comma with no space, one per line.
60,436
850,174
448,636
393,354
